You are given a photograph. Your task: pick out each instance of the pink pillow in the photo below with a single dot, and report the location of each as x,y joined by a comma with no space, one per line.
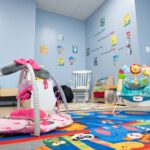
26,113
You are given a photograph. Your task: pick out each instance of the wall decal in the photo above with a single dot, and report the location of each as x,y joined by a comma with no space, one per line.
113,49
128,45
104,37
126,20
121,48
43,49
113,39
60,37
99,32
96,49
106,52
72,60
102,22
87,51
116,60
60,61
112,32
95,61
75,49
60,49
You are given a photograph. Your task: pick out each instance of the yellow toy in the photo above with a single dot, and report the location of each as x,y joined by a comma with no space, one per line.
146,70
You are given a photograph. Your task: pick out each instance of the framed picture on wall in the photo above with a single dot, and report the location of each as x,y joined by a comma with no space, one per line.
87,51
43,49
75,49
102,22
61,61
116,60
95,61
72,60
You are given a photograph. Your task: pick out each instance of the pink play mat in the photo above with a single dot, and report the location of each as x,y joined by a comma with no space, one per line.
48,123
34,120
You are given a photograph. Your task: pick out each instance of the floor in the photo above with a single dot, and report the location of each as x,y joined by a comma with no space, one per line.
73,107
89,106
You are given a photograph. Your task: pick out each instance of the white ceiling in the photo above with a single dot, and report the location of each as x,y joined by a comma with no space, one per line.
80,9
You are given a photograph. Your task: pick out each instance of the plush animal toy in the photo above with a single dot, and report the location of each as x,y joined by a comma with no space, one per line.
135,69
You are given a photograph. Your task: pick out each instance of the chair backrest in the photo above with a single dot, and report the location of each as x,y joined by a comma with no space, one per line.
104,83
81,79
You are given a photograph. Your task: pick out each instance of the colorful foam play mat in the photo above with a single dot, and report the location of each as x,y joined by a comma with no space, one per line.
128,130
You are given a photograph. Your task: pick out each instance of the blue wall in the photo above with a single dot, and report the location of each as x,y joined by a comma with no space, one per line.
18,38
143,25
17,33
113,11
48,26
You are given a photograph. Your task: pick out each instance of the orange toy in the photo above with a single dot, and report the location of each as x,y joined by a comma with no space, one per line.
135,69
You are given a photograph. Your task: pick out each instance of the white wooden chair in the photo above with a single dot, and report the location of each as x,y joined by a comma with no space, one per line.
80,84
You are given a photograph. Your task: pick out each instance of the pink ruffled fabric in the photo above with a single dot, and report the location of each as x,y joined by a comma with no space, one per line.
7,125
61,120
26,113
23,61
24,94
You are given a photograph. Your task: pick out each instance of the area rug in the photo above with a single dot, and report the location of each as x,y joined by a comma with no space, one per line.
128,130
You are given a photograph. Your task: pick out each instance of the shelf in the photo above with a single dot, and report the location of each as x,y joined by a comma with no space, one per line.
4,92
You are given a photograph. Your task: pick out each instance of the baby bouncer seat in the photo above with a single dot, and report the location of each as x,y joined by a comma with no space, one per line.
135,88
33,120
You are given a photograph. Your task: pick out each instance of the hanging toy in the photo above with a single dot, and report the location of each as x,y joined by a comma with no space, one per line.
135,69
126,69
121,74
146,70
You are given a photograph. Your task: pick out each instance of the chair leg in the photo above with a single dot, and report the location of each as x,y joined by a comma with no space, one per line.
86,97
113,112
75,98
115,107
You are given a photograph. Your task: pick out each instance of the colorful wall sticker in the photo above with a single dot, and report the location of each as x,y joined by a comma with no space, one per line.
126,20
61,61
75,49
102,22
60,49
113,39
128,45
43,49
87,51
116,60
72,60
95,61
